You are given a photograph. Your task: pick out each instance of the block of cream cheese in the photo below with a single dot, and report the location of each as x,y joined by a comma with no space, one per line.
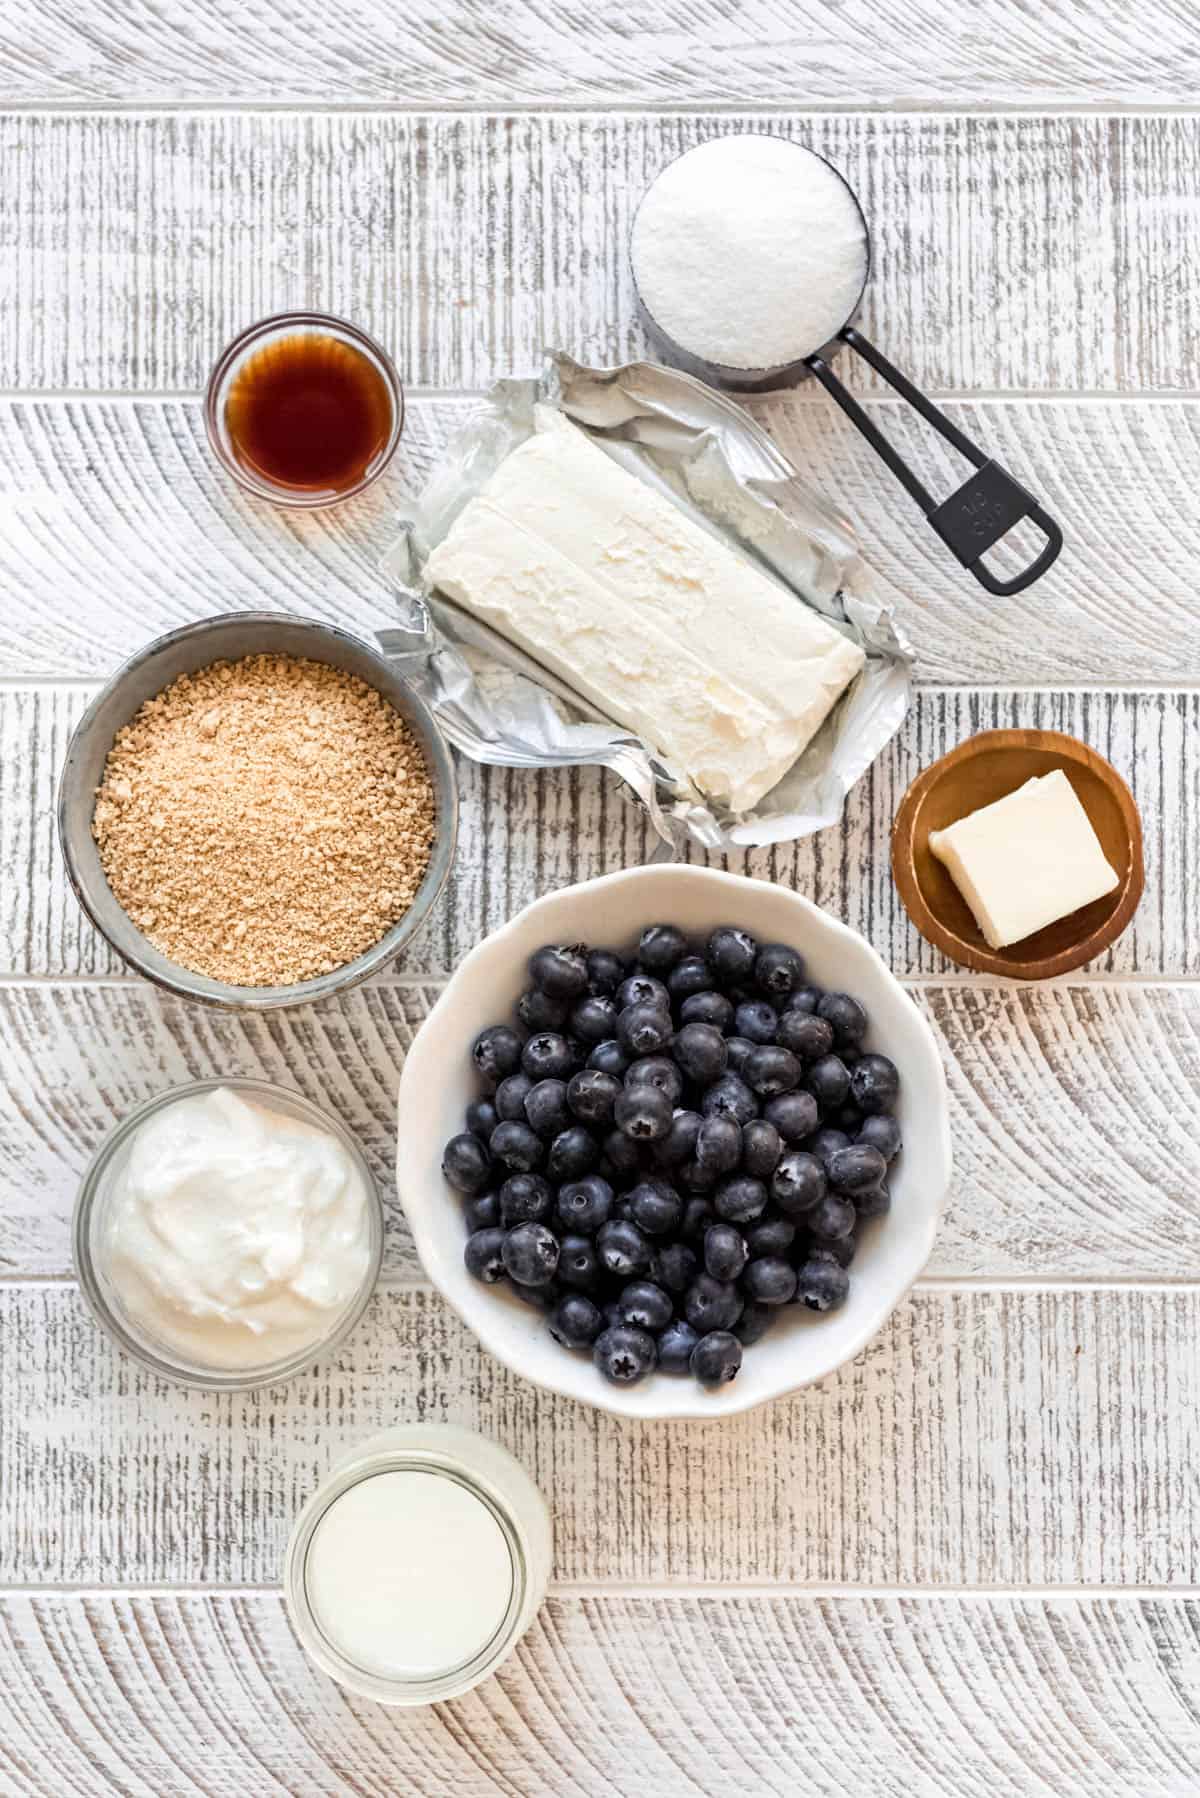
1026,861
657,622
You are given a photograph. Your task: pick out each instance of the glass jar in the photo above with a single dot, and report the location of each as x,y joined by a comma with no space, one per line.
432,1572
89,1229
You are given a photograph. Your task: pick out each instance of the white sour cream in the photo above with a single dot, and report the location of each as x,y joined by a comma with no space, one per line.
235,1235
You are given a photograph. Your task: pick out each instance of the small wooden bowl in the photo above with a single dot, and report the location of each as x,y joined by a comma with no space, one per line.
986,768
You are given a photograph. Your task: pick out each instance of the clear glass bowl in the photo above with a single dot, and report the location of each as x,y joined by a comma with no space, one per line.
490,1474
249,343
101,1294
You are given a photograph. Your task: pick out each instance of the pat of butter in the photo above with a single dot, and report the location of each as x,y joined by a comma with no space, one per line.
658,623
1026,861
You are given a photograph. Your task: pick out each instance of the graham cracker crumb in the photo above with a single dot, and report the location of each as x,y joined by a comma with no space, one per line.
265,821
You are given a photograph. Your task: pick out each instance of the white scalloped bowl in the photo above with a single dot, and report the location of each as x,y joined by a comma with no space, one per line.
438,1081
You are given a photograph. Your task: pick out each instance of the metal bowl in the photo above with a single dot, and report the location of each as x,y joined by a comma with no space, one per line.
184,652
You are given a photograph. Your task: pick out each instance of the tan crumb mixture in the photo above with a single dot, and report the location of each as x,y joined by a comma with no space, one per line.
265,821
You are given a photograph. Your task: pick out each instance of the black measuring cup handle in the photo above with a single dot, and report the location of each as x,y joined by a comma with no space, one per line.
987,505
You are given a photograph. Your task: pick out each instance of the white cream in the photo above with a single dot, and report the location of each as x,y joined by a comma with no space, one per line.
1025,861
409,1575
655,620
233,1235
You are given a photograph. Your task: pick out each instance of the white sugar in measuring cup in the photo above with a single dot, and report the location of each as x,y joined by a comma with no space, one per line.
717,236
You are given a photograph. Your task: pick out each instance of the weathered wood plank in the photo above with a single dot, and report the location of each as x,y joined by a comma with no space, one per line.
672,52
1075,1111
93,485
523,833
984,1437
681,1696
1009,252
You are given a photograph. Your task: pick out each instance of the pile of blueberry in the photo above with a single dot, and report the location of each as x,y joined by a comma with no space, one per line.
672,1148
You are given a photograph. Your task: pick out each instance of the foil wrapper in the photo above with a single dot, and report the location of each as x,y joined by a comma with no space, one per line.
498,705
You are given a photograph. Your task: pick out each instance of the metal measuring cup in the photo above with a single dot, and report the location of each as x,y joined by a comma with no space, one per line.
972,519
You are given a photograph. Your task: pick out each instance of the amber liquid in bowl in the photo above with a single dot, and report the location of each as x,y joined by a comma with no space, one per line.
308,412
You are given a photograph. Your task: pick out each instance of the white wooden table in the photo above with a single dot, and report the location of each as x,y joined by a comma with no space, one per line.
970,1562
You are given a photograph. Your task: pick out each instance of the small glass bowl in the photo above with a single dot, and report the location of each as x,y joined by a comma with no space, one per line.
490,1474
274,330
103,1298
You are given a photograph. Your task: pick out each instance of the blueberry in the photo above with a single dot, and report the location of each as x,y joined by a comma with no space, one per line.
538,1011
725,1252
484,1255
531,1254
698,1214
830,1217
622,1154
762,1146
740,1199
573,1153
773,1236
605,972
731,954
771,1070
738,1049
824,1143
591,1095
624,1354
695,1179
712,1304
679,1144
821,1284
691,975
643,1113
875,1202
548,1056
769,1280
699,1049
578,1263
466,1164
622,1249
517,1146
675,1346
609,1058
655,1207
561,972
575,1322
510,1098
795,1115
803,998
807,1037
716,1358
719,1144
645,1305
593,1019
674,1267
881,1132
525,1199
847,1017
828,1080
730,1097
756,1021
875,1083
643,989
847,1118
482,1118
643,1029
842,1248
661,947
541,1298
482,1213
583,1205
754,1323
798,1182
496,1052
857,1168
707,1008
778,969
546,1107
658,1071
